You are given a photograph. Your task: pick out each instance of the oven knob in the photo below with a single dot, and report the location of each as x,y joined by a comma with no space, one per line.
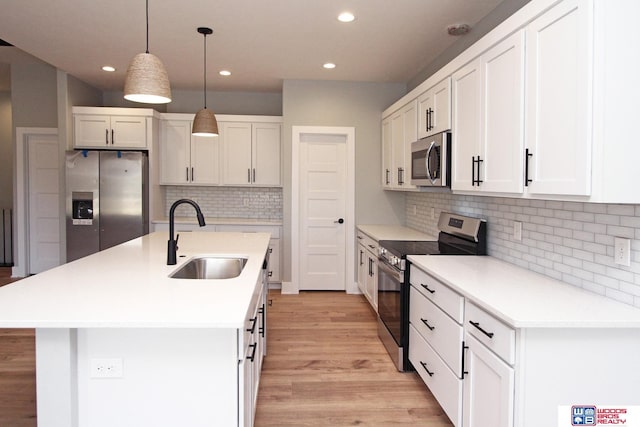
383,251
394,260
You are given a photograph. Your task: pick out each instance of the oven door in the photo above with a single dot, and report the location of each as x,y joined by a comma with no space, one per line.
390,299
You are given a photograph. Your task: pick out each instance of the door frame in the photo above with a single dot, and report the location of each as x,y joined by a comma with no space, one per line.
297,133
21,198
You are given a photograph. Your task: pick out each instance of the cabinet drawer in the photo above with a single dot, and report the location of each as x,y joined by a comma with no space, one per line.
497,336
368,242
449,301
438,329
443,384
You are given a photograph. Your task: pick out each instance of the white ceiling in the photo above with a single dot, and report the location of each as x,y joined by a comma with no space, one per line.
262,42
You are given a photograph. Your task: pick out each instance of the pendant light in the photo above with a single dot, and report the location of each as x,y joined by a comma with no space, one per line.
205,123
147,80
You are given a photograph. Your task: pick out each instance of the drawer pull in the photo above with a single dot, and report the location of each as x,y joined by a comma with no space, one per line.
431,291
424,365
464,350
477,325
252,329
253,352
426,323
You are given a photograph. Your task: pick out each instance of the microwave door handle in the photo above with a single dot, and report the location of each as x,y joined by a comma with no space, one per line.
426,160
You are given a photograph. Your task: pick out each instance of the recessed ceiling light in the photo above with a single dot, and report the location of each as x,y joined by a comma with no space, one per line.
346,17
329,65
225,73
108,68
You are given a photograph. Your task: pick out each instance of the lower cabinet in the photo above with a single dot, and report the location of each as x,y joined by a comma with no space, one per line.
250,363
367,264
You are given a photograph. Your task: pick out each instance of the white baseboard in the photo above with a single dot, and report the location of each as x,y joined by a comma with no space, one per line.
289,288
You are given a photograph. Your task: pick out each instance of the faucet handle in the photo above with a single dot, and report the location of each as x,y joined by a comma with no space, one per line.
177,238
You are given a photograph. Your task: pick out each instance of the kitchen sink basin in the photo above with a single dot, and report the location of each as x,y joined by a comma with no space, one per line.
208,267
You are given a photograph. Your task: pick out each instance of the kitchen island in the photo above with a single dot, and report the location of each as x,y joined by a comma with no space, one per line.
118,342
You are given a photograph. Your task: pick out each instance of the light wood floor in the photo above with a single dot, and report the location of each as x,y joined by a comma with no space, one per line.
325,367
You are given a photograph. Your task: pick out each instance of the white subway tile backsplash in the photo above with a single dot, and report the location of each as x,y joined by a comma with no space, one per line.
569,241
228,202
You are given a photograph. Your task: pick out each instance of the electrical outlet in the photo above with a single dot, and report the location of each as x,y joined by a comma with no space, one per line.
245,202
517,231
106,368
433,213
414,209
622,251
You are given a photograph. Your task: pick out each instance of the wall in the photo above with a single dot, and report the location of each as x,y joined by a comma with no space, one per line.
189,101
34,96
569,241
6,151
227,202
332,103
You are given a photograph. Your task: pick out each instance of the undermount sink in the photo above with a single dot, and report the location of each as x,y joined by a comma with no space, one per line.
208,267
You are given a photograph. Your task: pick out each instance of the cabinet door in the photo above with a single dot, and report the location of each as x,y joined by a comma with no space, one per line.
236,149
425,107
129,132
175,137
265,156
488,388
559,99
397,149
466,116
91,131
441,115
274,260
362,267
205,160
387,152
410,134
502,138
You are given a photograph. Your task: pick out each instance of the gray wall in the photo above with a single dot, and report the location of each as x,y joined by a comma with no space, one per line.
6,152
486,24
359,105
190,101
34,96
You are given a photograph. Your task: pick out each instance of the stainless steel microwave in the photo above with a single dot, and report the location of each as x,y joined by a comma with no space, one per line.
431,161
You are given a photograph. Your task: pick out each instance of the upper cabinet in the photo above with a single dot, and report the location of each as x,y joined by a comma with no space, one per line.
186,159
488,120
251,153
559,100
398,132
434,109
111,128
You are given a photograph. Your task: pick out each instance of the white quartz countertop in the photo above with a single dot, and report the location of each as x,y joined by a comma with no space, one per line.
393,232
525,299
128,286
220,221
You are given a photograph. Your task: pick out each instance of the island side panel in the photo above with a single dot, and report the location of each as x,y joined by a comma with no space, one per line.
169,377
574,366
56,380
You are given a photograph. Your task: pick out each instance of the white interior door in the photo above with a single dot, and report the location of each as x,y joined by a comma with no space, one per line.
322,173
43,207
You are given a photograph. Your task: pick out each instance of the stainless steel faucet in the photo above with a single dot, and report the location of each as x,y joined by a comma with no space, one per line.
172,246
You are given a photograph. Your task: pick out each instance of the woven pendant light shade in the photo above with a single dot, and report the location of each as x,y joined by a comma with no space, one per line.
205,123
147,80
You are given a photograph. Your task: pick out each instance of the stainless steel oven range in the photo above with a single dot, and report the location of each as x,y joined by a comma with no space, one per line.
459,235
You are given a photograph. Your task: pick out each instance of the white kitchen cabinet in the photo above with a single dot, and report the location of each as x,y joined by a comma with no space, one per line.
111,128
559,100
387,154
368,268
396,149
434,109
251,153
488,388
186,159
488,120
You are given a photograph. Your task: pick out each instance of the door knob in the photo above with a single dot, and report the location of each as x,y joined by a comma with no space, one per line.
339,221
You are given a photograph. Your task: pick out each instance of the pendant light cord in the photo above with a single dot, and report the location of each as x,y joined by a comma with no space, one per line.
147,26
205,71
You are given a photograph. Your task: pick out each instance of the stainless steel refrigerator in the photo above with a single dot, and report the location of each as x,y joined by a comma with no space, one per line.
106,199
